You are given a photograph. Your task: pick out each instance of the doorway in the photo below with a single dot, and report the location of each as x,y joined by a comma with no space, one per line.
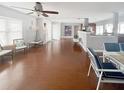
56,31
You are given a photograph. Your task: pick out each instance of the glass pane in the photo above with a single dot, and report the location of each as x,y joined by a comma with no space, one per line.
109,28
99,30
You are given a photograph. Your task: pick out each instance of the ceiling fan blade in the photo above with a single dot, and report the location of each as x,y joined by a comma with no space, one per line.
29,13
22,8
45,15
51,12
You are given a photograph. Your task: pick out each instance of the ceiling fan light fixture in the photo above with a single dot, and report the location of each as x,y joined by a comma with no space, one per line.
38,9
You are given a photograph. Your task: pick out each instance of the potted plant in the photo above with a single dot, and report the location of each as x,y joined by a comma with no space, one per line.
75,38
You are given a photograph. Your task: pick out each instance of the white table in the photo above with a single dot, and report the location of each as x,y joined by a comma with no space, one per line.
35,43
116,57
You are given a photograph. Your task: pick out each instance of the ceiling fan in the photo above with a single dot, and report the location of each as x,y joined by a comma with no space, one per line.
38,8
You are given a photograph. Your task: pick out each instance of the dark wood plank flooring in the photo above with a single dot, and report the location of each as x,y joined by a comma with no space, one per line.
57,65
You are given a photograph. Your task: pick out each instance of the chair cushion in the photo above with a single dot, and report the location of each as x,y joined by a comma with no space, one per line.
21,47
112,47
98,61
4,52
19,43
108,66
116,75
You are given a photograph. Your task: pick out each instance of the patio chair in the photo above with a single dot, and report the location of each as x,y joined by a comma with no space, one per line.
106,72
110,48
121,47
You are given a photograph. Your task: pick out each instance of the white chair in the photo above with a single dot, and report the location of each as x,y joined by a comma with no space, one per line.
5,52
106,72
20,45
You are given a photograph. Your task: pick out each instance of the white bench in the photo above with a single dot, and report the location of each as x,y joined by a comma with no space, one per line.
6,52
34,43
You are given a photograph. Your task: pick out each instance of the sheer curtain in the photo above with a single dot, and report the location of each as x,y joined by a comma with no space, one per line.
9,29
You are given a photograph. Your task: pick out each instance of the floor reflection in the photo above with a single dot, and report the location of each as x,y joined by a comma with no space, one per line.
76,47
13,73
56,46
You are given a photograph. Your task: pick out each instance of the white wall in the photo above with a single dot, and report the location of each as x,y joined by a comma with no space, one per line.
95,42
56,30
27,20
106,21
29,25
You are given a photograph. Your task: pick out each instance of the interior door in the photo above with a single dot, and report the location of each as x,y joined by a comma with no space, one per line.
56,31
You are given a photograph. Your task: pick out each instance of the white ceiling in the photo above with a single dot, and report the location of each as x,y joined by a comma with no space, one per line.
71,11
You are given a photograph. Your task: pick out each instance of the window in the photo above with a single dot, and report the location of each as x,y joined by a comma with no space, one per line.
99,30
121,28
109,28
2,31
9,29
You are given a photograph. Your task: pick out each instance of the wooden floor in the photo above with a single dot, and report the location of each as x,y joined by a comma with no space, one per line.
57,65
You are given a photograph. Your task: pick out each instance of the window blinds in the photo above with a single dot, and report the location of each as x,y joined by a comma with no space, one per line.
9,29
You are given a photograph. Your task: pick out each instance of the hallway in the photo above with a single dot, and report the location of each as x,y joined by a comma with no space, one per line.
57,65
